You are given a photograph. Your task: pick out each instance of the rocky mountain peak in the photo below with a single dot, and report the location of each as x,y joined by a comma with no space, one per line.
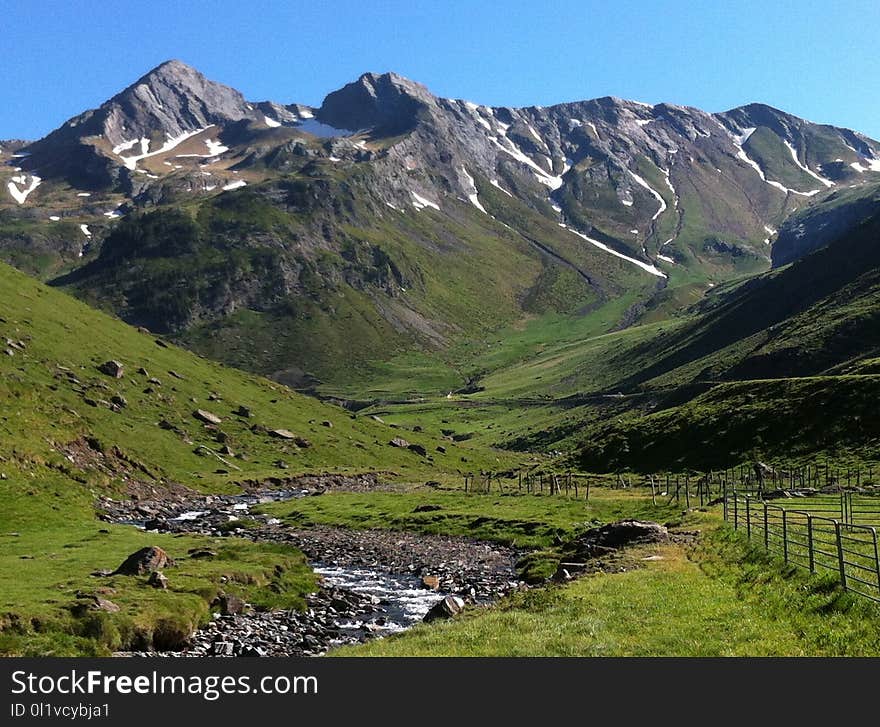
388,102
173,98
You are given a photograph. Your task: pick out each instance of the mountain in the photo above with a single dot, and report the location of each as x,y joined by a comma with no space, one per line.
311,243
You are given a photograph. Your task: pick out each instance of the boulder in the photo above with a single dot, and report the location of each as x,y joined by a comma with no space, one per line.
112,368
206,416
229,605
302,442
92,602
282,434
143,561
399,442
327,423
418,449
157,580
102,604
441,449
243,411
604,539
445,608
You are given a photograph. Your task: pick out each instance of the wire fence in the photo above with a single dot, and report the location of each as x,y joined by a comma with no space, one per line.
825,533
818,518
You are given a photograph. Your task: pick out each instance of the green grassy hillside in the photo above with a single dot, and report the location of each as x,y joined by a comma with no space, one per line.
69,433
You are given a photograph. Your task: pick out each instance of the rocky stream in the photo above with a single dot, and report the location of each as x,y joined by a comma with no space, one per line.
373,582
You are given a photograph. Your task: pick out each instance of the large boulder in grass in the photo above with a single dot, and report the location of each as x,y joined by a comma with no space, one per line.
145,560
206,417
112,368
613,536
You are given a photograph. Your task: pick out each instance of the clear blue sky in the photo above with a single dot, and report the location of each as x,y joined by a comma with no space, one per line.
815,59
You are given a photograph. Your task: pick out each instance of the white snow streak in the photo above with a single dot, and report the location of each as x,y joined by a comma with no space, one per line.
744,135
85,230
472,196
535,133
21,195
738,141
215,147
826,182
54,218
602,246
654,192
271,123
664,258
234,185
542,175
170,143
420,202
871,165
494,183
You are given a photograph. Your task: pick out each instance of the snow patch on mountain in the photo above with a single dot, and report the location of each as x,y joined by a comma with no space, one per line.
602,246
543,176
420,202
744,135
794,155
641,182
271,123
171,143
870,165
20,195
472,191
494,183
237,184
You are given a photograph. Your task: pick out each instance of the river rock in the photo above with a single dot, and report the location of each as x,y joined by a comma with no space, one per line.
445,608
143,561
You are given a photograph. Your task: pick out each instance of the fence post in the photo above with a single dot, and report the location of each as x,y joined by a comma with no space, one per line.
784,535
810,543
748,518
840,561
724,500
876,556
766,529
735,509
